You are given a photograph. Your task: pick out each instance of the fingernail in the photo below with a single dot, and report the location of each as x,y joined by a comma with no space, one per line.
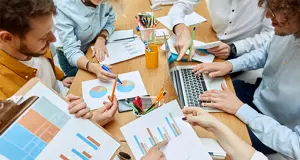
184,118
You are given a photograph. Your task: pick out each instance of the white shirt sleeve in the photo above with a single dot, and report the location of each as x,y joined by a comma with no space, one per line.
179,10
257,41
258,156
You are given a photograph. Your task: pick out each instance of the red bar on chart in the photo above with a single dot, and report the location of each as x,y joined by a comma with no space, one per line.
86,154
144,148
93,141
63,157
176,130
151,135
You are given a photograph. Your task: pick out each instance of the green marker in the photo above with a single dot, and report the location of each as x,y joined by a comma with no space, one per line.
192,40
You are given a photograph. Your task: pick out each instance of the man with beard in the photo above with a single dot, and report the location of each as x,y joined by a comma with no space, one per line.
25,35
270,109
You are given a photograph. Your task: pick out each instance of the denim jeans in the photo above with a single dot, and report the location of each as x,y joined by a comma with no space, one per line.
245,92
70,71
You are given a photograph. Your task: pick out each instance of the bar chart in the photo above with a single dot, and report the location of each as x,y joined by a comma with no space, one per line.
84,155
168,131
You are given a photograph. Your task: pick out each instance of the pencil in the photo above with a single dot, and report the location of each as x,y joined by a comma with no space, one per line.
159,93
192,40
114,89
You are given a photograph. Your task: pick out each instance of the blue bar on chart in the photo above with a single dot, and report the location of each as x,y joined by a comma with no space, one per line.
79,154
152,143
175,123
167,133
87,141
169,124
139,144
161,134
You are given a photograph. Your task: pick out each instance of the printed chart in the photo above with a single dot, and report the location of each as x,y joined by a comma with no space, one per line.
95,92
98,92
162,124
27,137
126,86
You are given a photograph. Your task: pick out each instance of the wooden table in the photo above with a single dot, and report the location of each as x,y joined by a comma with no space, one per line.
155,78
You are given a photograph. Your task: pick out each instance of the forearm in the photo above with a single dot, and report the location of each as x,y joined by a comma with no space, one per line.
274,135
235,147
91,67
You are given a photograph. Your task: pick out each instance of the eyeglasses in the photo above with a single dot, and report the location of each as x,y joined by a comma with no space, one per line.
269,8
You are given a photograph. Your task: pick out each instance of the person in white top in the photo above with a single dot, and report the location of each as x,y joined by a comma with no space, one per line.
234,147
239,24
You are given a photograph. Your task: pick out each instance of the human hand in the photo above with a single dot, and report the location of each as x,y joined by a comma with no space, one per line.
222,99
106,113
100,50
216,69
222,51
101,74
78,107
67,82
183,41
198,117
155,152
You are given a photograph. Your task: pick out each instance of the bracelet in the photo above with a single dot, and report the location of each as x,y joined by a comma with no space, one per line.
87,66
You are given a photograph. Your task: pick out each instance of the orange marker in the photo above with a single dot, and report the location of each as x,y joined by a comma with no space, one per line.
114,89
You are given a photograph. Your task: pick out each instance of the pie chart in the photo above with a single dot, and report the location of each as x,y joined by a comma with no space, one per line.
98,92
126,86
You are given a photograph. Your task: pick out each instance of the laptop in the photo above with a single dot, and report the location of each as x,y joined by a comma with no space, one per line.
188,86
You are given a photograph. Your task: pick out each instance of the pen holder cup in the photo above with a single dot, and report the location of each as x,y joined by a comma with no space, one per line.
152,57
147,103
148,34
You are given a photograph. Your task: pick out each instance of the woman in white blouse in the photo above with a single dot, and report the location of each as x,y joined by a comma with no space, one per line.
235,147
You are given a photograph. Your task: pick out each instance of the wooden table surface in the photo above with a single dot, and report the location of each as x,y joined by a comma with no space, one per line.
155,78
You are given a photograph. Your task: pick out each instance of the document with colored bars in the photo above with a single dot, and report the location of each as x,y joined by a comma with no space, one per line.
46,131
162,124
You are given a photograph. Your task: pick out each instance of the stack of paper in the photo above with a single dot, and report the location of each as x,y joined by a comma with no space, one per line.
164,123
199,56
163,2
189,20
95,92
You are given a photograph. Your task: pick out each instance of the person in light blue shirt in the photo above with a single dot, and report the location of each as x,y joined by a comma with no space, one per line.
79,23
271,108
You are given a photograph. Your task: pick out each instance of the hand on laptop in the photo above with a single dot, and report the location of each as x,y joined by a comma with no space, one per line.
183,41
216,69
198,117
222,51
222,99
155,152
78,107
106,113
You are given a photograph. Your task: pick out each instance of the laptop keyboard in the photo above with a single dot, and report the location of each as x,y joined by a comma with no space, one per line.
194,86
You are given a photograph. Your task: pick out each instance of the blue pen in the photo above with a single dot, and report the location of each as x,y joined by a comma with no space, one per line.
108,70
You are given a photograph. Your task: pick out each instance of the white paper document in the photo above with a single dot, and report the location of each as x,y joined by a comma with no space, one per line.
124,50
199,56
164,123
120,35
161,32
189,20
95,92
47,131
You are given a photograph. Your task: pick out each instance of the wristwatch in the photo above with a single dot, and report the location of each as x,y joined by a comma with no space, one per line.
233,51
105,37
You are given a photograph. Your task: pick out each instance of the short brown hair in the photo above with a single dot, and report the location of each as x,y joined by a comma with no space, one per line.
291,6
15,14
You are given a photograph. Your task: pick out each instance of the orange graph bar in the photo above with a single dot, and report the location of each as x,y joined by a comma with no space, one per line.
63,157
166,137
86,154
175,129
144,148
94,141
151,135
